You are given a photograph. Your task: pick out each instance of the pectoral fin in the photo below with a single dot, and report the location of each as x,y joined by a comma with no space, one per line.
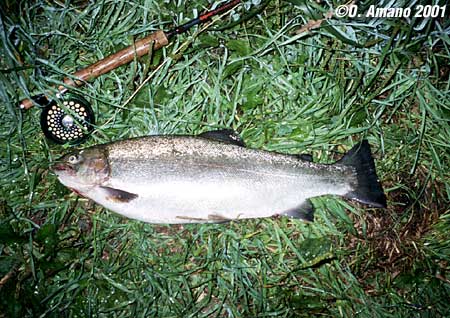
224,135
117,195
304,212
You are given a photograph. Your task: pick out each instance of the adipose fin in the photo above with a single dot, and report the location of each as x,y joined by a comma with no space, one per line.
224,135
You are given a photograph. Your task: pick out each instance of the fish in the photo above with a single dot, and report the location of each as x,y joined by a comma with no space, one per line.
213,177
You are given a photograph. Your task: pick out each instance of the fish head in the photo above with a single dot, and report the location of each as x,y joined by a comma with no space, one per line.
83,169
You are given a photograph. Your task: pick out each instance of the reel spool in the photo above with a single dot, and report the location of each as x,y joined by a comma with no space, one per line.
68,120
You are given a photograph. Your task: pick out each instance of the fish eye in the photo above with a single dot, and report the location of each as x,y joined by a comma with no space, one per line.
73,159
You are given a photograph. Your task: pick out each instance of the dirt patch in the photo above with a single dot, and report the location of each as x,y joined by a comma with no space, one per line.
392,239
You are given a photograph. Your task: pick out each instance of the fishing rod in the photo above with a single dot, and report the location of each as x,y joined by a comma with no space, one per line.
70,119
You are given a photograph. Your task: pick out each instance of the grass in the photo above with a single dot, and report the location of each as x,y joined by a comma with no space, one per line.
317,91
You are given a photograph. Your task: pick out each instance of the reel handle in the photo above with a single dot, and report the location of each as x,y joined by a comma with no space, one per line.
141,47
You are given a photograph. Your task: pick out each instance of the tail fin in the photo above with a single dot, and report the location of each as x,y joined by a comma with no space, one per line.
368,189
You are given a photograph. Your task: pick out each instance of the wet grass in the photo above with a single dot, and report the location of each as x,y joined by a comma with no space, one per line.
284,87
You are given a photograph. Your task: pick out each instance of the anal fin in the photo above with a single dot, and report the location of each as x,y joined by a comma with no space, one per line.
117,195
305,211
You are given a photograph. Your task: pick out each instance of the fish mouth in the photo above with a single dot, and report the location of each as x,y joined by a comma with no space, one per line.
59,167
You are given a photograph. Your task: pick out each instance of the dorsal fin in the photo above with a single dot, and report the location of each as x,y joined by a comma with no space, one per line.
224,135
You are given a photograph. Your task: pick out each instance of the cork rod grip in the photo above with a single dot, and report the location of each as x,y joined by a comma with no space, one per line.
156,40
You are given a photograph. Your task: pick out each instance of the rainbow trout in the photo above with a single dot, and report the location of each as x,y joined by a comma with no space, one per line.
212,177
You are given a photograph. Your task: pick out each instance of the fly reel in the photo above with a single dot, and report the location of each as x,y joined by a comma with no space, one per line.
68,120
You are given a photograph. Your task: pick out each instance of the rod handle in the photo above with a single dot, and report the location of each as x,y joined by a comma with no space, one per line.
141,47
